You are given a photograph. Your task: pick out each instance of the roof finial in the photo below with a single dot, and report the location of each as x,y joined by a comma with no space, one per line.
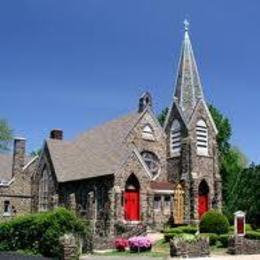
186,25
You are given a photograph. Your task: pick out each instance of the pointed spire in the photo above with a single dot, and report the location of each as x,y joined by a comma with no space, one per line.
188,89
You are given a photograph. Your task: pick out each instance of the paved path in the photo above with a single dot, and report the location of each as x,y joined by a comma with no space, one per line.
239,257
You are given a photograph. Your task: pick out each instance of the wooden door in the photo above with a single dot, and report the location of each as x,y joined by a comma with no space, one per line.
132,205
203,204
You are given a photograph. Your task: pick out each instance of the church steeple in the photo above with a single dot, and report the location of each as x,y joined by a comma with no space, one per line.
188,89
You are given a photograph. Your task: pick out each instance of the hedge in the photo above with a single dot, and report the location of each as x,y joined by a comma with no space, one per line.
223,239
213,238
253,235
40,232
214,222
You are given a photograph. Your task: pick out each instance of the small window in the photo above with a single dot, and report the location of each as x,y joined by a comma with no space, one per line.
202,137
7,208
157,202
147,133
167,201
175,138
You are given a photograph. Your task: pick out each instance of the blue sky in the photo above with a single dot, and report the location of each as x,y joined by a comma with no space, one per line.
76,64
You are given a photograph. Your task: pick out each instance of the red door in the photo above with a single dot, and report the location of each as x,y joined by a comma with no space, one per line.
203,204
132,206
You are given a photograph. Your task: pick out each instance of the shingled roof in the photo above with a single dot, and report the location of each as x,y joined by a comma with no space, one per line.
6,165
97,152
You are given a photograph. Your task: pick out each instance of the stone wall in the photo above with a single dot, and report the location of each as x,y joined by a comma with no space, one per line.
197,248
156,146
243,246
69,247
18,192
44,164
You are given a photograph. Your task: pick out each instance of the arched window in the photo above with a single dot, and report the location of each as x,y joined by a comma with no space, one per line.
202,137
175,138
43,191
152,162
147,133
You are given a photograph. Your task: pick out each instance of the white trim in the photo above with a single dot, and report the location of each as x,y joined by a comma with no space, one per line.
30,162
208,114
150,112
163,191
140,158
8,183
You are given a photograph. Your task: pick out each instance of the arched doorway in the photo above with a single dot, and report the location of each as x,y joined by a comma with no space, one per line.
132,199
203,198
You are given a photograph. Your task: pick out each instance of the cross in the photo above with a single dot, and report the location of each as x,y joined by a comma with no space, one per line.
186,25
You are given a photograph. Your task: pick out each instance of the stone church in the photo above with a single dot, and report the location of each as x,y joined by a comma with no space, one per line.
130,170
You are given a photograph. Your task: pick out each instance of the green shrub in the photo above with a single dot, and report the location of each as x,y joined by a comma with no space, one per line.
214,222
223,239
40,232
253,235
213,238
188,229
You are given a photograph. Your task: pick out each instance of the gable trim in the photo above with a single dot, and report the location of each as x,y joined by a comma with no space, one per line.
207,112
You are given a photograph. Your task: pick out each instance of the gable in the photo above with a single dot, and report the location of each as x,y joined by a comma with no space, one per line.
201,111
147,127
174,114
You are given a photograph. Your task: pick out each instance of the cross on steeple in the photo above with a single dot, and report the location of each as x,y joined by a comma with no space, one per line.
186,25
188,88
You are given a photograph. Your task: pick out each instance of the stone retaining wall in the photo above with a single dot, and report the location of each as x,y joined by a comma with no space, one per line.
243,246
183,248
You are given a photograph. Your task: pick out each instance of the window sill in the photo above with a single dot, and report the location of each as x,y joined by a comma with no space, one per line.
7,214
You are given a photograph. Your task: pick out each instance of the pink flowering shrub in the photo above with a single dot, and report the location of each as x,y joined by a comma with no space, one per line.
121,244
139,244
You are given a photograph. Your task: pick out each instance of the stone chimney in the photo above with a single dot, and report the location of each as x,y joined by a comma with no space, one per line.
144,101
18,155
56,134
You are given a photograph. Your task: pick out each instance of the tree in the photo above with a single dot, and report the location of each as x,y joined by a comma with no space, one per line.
224,129
36,152
245,194
162,116
6,135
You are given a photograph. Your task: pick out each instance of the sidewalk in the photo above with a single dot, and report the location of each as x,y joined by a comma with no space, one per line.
237,257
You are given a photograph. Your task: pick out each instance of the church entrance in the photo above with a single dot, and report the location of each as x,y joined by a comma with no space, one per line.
203,198
132,199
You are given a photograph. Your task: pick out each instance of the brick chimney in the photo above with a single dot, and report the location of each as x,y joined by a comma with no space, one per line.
18,155
56,134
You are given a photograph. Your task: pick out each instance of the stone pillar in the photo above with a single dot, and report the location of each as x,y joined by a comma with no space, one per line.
55,200
195,199
72,202
69,249
18,155
117,206
218,193
186,178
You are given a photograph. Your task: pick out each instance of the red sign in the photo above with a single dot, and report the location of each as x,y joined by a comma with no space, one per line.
240,225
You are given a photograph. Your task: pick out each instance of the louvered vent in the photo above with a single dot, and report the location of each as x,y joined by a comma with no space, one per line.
202,137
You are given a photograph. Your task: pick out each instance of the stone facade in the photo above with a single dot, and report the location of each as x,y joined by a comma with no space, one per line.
16,194
183,248
243,246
